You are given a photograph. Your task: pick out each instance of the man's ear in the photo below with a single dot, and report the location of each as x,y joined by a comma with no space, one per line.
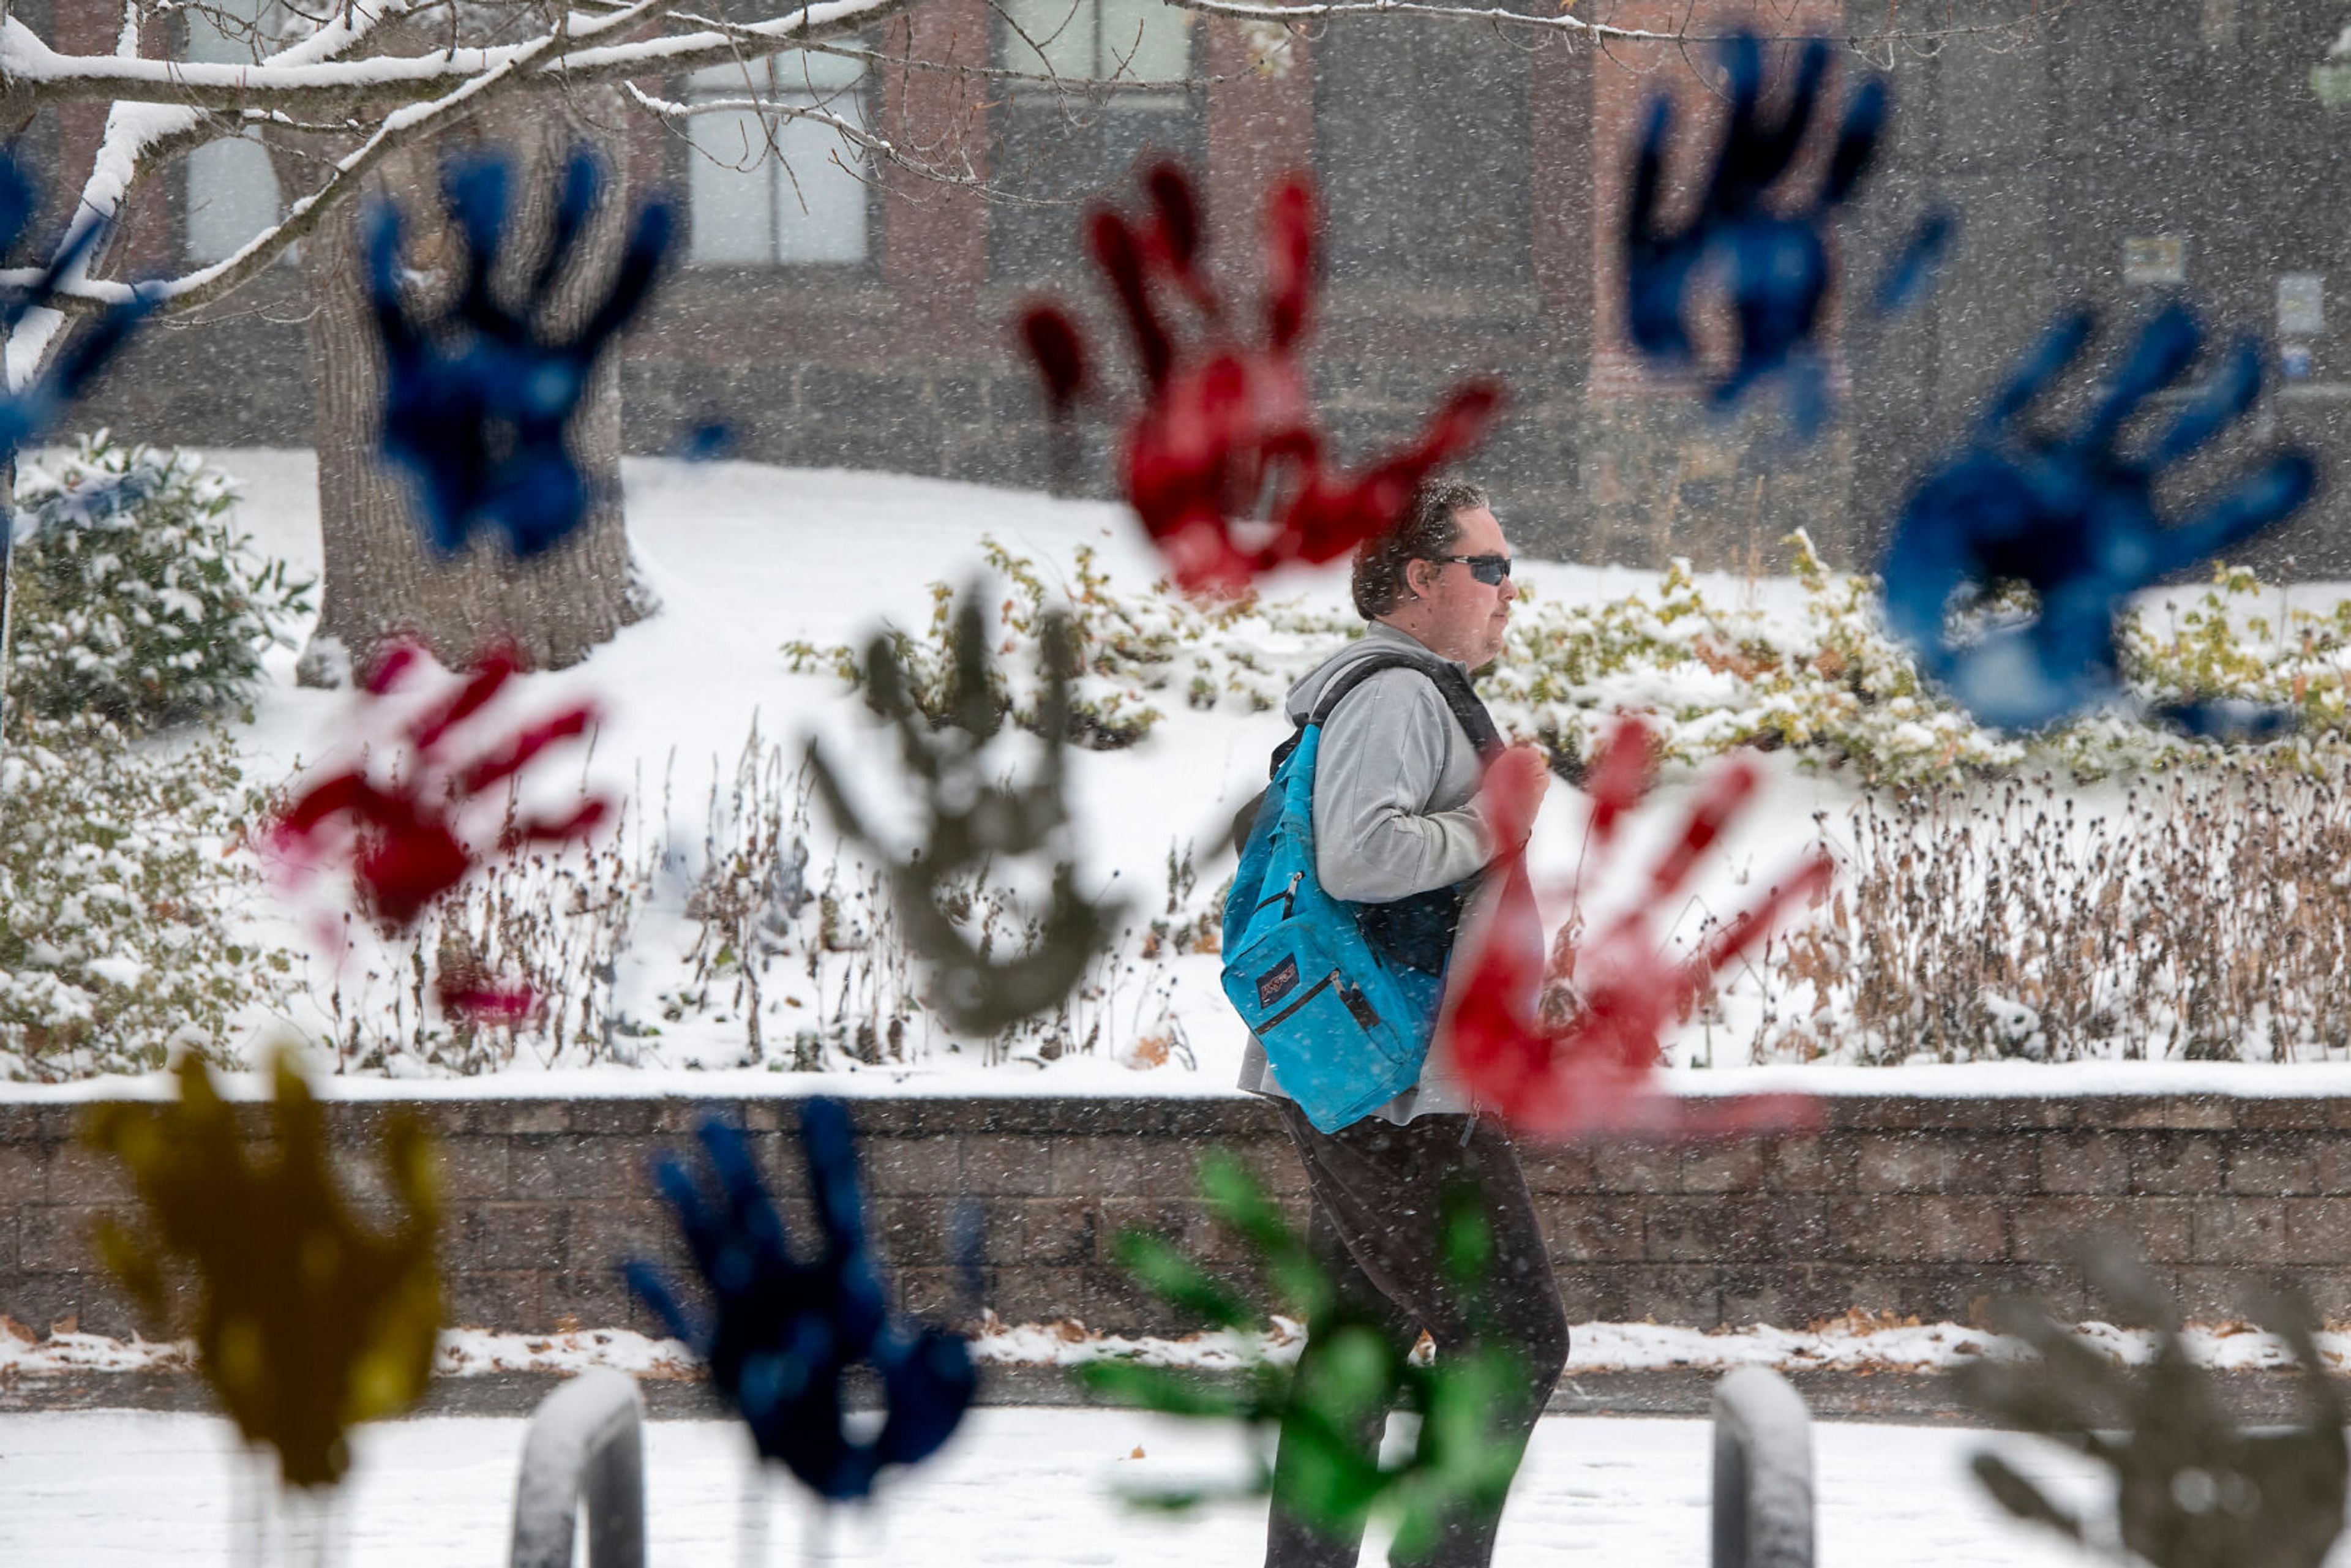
1415,590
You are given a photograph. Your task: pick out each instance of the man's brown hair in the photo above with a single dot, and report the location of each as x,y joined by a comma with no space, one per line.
1429,527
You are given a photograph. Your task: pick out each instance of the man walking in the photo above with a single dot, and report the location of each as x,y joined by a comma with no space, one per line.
1398,834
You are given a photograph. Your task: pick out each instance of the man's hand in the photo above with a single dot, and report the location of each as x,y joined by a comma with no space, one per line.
1513,793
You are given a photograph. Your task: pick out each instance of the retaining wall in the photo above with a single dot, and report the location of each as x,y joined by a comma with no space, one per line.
1922,1206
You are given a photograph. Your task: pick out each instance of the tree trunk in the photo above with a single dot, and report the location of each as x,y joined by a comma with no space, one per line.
382,579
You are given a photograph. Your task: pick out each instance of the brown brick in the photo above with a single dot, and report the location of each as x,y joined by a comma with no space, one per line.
1723,1167
544,1169
1183,1221
1954,1229
617,1118
1110,1303
600,1236
1901,1161
1057,1232
539,1116
901,1168
2296,1114
1748,1230
1035,1295
2318,1231
2332,1158
1106,1167
1874,1112
54,1239
1276,1166
1808,1164
2270,1165
2239,1231
598,1300
1591,1228
1686,1295
1592,1295
1557,1171
475,1167
24,1173
1995,1163
1009,1166
505,1237
2216,1295
2079,1162
2174,1162
79,1174
1782,1296
1882,1229
509,1303
2216,1112
1633,1167
2055,1229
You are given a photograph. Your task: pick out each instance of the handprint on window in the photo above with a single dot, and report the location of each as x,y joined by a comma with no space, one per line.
1225,463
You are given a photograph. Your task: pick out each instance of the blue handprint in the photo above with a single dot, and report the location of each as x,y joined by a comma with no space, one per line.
2074,518
1773,261
784,1332
476,402
28,411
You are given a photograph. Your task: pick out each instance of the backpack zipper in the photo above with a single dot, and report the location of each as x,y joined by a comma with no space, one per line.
1316,989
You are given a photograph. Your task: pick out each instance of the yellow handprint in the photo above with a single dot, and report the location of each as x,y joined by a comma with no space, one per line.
307,1323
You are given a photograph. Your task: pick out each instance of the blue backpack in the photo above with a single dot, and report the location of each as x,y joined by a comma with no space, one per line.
1343,997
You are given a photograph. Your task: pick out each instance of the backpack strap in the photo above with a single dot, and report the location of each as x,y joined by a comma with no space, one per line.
1450,683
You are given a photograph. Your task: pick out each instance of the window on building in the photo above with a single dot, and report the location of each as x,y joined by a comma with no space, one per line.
768,190
232,191
1102,40
1063,142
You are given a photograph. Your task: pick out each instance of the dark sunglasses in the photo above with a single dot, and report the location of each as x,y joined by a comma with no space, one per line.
1489,569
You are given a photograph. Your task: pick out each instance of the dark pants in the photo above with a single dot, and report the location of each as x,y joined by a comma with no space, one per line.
1376,1189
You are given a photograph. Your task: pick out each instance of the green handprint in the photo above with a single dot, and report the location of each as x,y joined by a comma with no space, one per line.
1329,1478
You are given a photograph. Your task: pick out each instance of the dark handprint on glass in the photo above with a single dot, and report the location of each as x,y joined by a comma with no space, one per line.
479,396
1770,253
783,1332
2072,515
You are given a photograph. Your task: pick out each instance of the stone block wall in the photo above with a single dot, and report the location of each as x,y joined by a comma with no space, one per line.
1902,1205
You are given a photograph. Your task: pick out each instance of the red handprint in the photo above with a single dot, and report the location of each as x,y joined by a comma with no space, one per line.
405,837
1222,419
1568,1050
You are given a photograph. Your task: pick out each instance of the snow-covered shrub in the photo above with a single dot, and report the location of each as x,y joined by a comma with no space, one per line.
136,599
117,889
2205,914
1131,649
1829,684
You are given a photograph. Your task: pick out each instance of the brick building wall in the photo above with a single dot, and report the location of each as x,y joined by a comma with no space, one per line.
2090,131
1923,1206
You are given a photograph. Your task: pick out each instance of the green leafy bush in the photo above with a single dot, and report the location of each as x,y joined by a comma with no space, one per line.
117,898
136,600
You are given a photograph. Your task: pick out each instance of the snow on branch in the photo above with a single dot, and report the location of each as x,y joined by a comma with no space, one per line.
37,75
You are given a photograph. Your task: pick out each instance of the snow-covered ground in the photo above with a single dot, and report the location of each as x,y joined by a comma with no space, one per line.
1025,1487
1856,1343
747,557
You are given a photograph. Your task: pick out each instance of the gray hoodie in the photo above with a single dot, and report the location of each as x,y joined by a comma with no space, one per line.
1394,781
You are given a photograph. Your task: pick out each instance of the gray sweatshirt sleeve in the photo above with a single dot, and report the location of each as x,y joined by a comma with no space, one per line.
1384,757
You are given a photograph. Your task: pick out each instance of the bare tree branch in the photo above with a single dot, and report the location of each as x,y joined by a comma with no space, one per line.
1576,26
